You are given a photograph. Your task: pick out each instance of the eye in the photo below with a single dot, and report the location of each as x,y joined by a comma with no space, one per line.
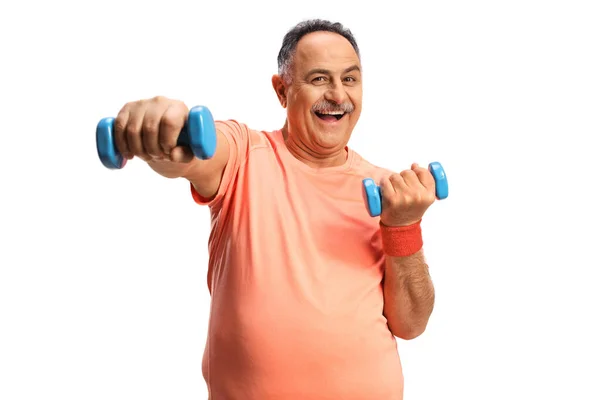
319,79
349,79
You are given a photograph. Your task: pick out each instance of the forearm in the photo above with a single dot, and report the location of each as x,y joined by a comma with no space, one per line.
408,295
170,169
205,175
200,173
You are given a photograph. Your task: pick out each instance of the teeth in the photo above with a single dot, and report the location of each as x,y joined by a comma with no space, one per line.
332,112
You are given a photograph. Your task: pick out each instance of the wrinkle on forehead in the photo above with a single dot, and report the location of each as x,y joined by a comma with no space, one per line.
325,48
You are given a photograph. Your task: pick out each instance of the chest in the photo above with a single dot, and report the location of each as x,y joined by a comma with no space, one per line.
324,215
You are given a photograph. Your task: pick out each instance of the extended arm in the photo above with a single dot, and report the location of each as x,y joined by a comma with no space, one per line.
149,129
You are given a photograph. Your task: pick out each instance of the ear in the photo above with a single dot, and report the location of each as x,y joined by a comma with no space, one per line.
279,88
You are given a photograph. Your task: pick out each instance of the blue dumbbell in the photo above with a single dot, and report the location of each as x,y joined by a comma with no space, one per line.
372,192
199,134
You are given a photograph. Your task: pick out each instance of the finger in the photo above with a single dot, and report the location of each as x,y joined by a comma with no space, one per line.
133,132
411,179
151,128
425,177
120,135
171,123
398,182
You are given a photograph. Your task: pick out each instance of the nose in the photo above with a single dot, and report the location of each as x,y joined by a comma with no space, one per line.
336,93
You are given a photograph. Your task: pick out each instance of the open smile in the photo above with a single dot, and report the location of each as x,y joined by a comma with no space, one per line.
332,116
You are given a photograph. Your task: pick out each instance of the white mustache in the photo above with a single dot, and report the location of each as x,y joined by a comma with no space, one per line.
327,106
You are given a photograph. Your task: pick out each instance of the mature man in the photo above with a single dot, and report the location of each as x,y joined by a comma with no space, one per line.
308,291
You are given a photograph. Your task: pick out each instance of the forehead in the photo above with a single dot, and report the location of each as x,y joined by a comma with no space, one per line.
324,49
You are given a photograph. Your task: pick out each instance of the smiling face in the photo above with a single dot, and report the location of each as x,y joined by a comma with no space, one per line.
324,97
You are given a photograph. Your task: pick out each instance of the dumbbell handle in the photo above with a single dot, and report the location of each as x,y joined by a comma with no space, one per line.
372,192
198,133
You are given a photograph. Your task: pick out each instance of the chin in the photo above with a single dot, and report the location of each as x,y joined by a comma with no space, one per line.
333,140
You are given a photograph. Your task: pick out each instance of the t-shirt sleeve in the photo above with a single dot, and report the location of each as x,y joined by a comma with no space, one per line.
237,135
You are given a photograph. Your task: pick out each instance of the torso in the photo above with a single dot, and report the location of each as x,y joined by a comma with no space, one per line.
295,276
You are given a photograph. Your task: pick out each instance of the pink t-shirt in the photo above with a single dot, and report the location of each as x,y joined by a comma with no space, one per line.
295,275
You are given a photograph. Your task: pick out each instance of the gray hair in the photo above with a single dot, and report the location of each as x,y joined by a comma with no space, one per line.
291,39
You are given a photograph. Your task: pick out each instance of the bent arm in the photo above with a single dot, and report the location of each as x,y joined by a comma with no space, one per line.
408,295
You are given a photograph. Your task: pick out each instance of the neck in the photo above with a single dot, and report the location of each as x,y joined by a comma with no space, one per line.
310,157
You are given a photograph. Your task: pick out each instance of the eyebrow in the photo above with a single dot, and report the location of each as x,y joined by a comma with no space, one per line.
328,72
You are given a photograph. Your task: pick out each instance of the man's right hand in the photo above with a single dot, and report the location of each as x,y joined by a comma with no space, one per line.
149,129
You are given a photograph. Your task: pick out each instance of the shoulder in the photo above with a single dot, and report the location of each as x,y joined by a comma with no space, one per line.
366,168
240,134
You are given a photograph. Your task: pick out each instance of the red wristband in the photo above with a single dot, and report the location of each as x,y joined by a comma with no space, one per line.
401,241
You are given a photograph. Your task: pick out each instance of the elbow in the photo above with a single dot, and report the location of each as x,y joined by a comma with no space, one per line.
409,335
407,332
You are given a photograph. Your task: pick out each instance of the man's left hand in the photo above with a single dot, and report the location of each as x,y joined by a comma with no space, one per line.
406,196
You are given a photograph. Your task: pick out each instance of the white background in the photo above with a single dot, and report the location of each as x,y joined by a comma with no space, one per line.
103,289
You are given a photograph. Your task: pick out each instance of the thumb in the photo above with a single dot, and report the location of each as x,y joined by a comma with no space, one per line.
386,189
181,154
